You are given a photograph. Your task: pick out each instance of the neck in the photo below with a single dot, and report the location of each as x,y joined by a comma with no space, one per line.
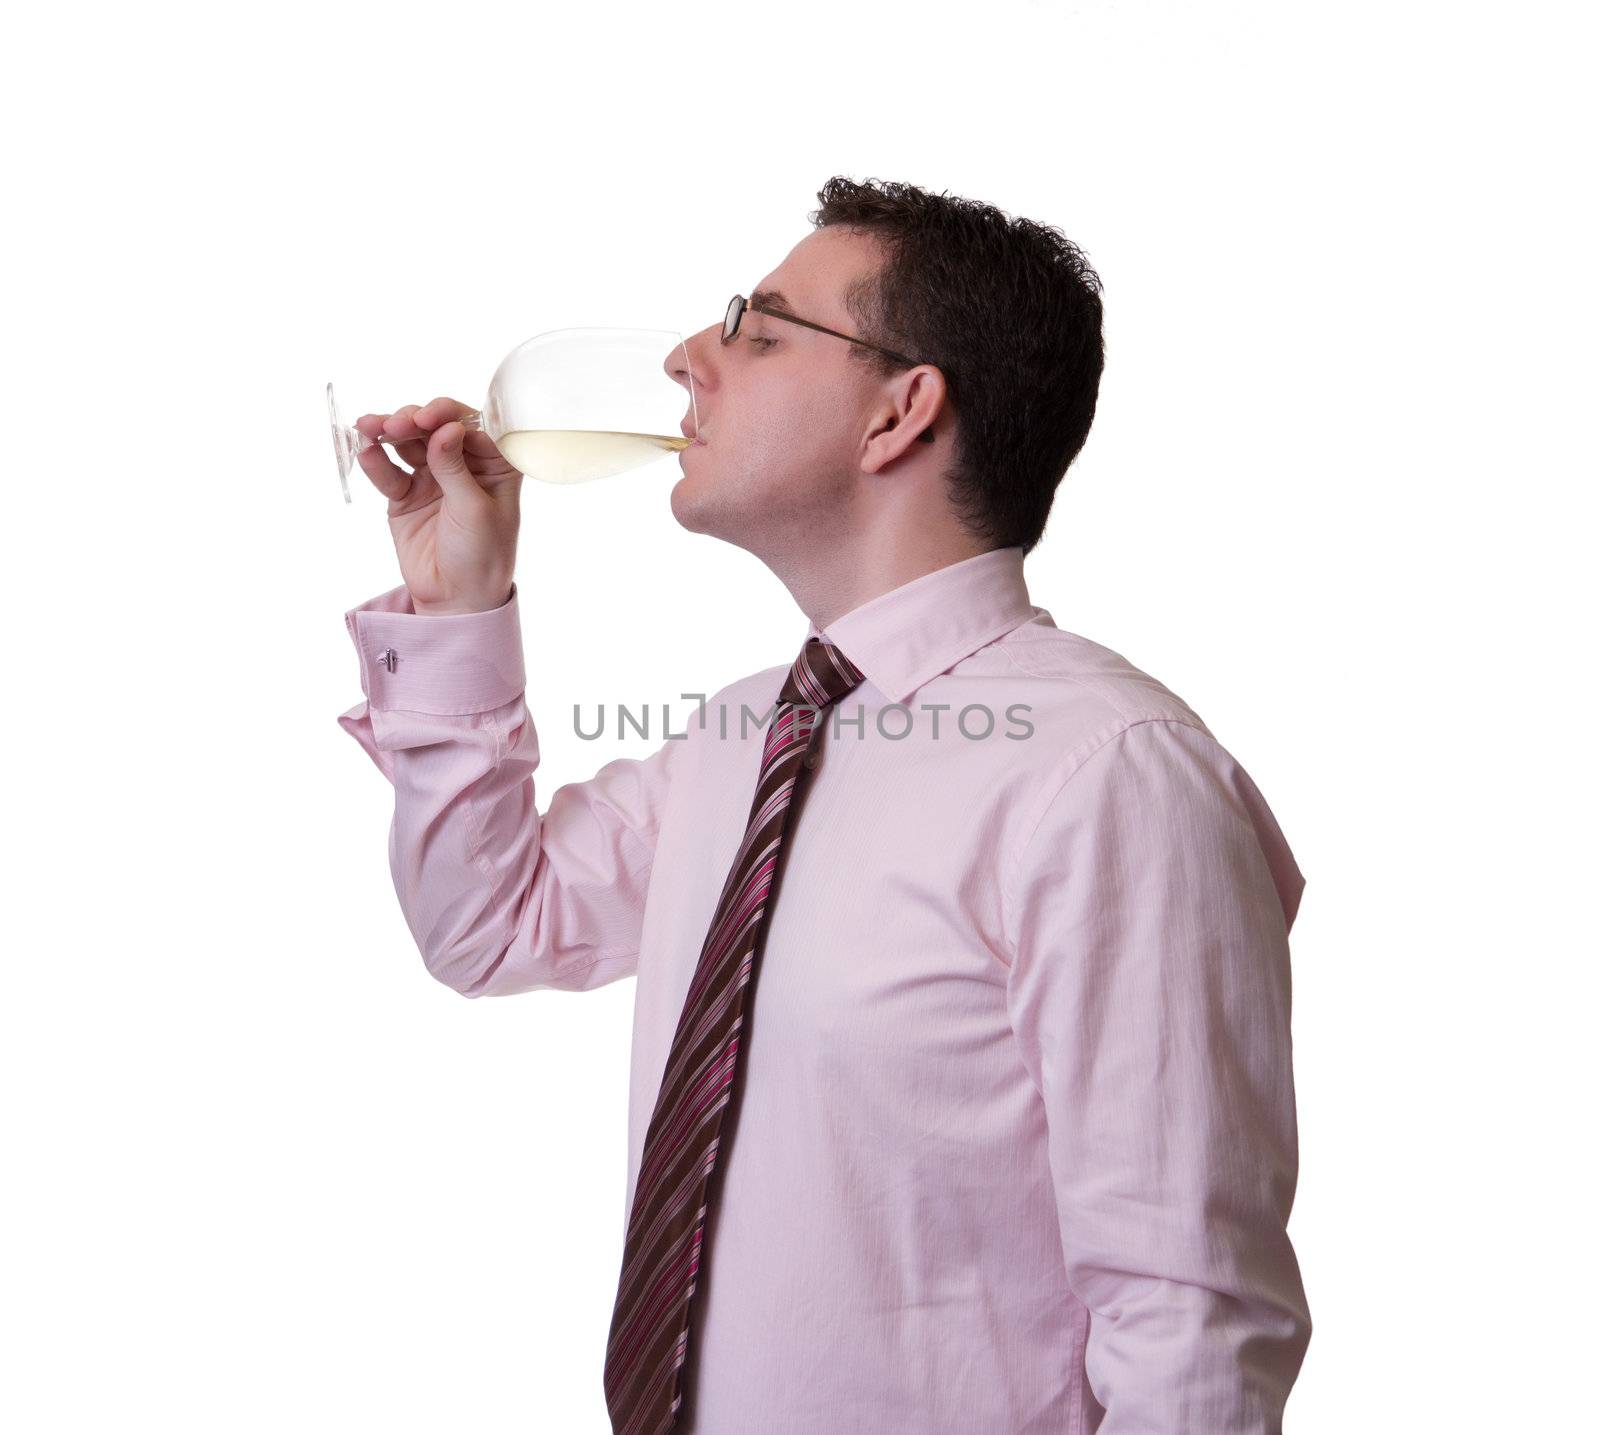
860,567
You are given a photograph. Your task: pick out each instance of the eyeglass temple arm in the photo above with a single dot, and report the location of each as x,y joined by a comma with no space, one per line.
926,436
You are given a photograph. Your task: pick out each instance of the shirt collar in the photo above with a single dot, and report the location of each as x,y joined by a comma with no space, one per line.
912,633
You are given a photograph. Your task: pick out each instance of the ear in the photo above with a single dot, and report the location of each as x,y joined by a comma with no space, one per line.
906,419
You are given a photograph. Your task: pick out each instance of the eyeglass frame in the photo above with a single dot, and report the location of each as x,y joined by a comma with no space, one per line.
735,316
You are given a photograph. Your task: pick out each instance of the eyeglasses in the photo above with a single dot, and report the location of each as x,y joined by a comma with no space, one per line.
736,311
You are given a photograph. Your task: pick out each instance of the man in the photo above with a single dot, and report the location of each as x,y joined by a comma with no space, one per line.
983,1119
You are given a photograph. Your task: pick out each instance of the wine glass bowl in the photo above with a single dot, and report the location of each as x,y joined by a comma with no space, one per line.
579,404
573,405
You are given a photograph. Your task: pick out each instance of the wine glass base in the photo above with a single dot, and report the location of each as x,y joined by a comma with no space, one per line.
346,443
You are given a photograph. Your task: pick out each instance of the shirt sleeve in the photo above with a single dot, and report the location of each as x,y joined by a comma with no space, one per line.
500,897
1150,994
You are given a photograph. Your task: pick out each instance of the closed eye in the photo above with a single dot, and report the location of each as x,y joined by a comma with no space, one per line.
764,343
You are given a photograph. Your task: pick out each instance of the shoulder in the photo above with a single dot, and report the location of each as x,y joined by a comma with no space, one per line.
1132,779
1117,745
1095,681
1075,695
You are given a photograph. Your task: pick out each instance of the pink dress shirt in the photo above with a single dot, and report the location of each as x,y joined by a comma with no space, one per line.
1016,1146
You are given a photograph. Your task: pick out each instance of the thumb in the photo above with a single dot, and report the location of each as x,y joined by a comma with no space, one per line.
448,464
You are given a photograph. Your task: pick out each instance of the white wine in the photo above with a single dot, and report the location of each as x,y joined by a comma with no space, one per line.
578,455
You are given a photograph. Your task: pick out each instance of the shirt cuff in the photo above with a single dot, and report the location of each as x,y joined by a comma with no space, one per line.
454,663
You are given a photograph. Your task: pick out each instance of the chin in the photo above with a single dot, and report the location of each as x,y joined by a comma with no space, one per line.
746,506
692,506
700,507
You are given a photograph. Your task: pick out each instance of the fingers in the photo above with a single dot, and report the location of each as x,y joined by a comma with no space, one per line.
413,421
387,477
410,427
447,463
413,451
479,445
399,425
440,411
374,426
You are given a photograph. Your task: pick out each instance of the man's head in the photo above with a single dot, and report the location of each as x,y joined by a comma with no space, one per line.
806,434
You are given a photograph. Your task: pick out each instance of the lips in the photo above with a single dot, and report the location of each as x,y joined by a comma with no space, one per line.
687,430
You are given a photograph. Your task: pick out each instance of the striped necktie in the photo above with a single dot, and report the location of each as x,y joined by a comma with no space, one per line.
644,1368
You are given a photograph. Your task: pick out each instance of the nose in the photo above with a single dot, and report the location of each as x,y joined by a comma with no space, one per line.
700,347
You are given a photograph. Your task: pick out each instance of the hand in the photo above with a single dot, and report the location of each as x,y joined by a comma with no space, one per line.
454,516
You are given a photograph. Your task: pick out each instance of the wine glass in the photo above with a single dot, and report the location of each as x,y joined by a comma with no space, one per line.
573,405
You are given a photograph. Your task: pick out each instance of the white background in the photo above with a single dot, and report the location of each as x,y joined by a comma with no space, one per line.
264,1173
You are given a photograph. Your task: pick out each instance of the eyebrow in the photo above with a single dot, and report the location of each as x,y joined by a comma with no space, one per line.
772,298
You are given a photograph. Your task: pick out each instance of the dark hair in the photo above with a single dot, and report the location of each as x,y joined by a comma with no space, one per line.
1009,312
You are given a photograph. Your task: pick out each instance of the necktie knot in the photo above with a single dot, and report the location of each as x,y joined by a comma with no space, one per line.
821,675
